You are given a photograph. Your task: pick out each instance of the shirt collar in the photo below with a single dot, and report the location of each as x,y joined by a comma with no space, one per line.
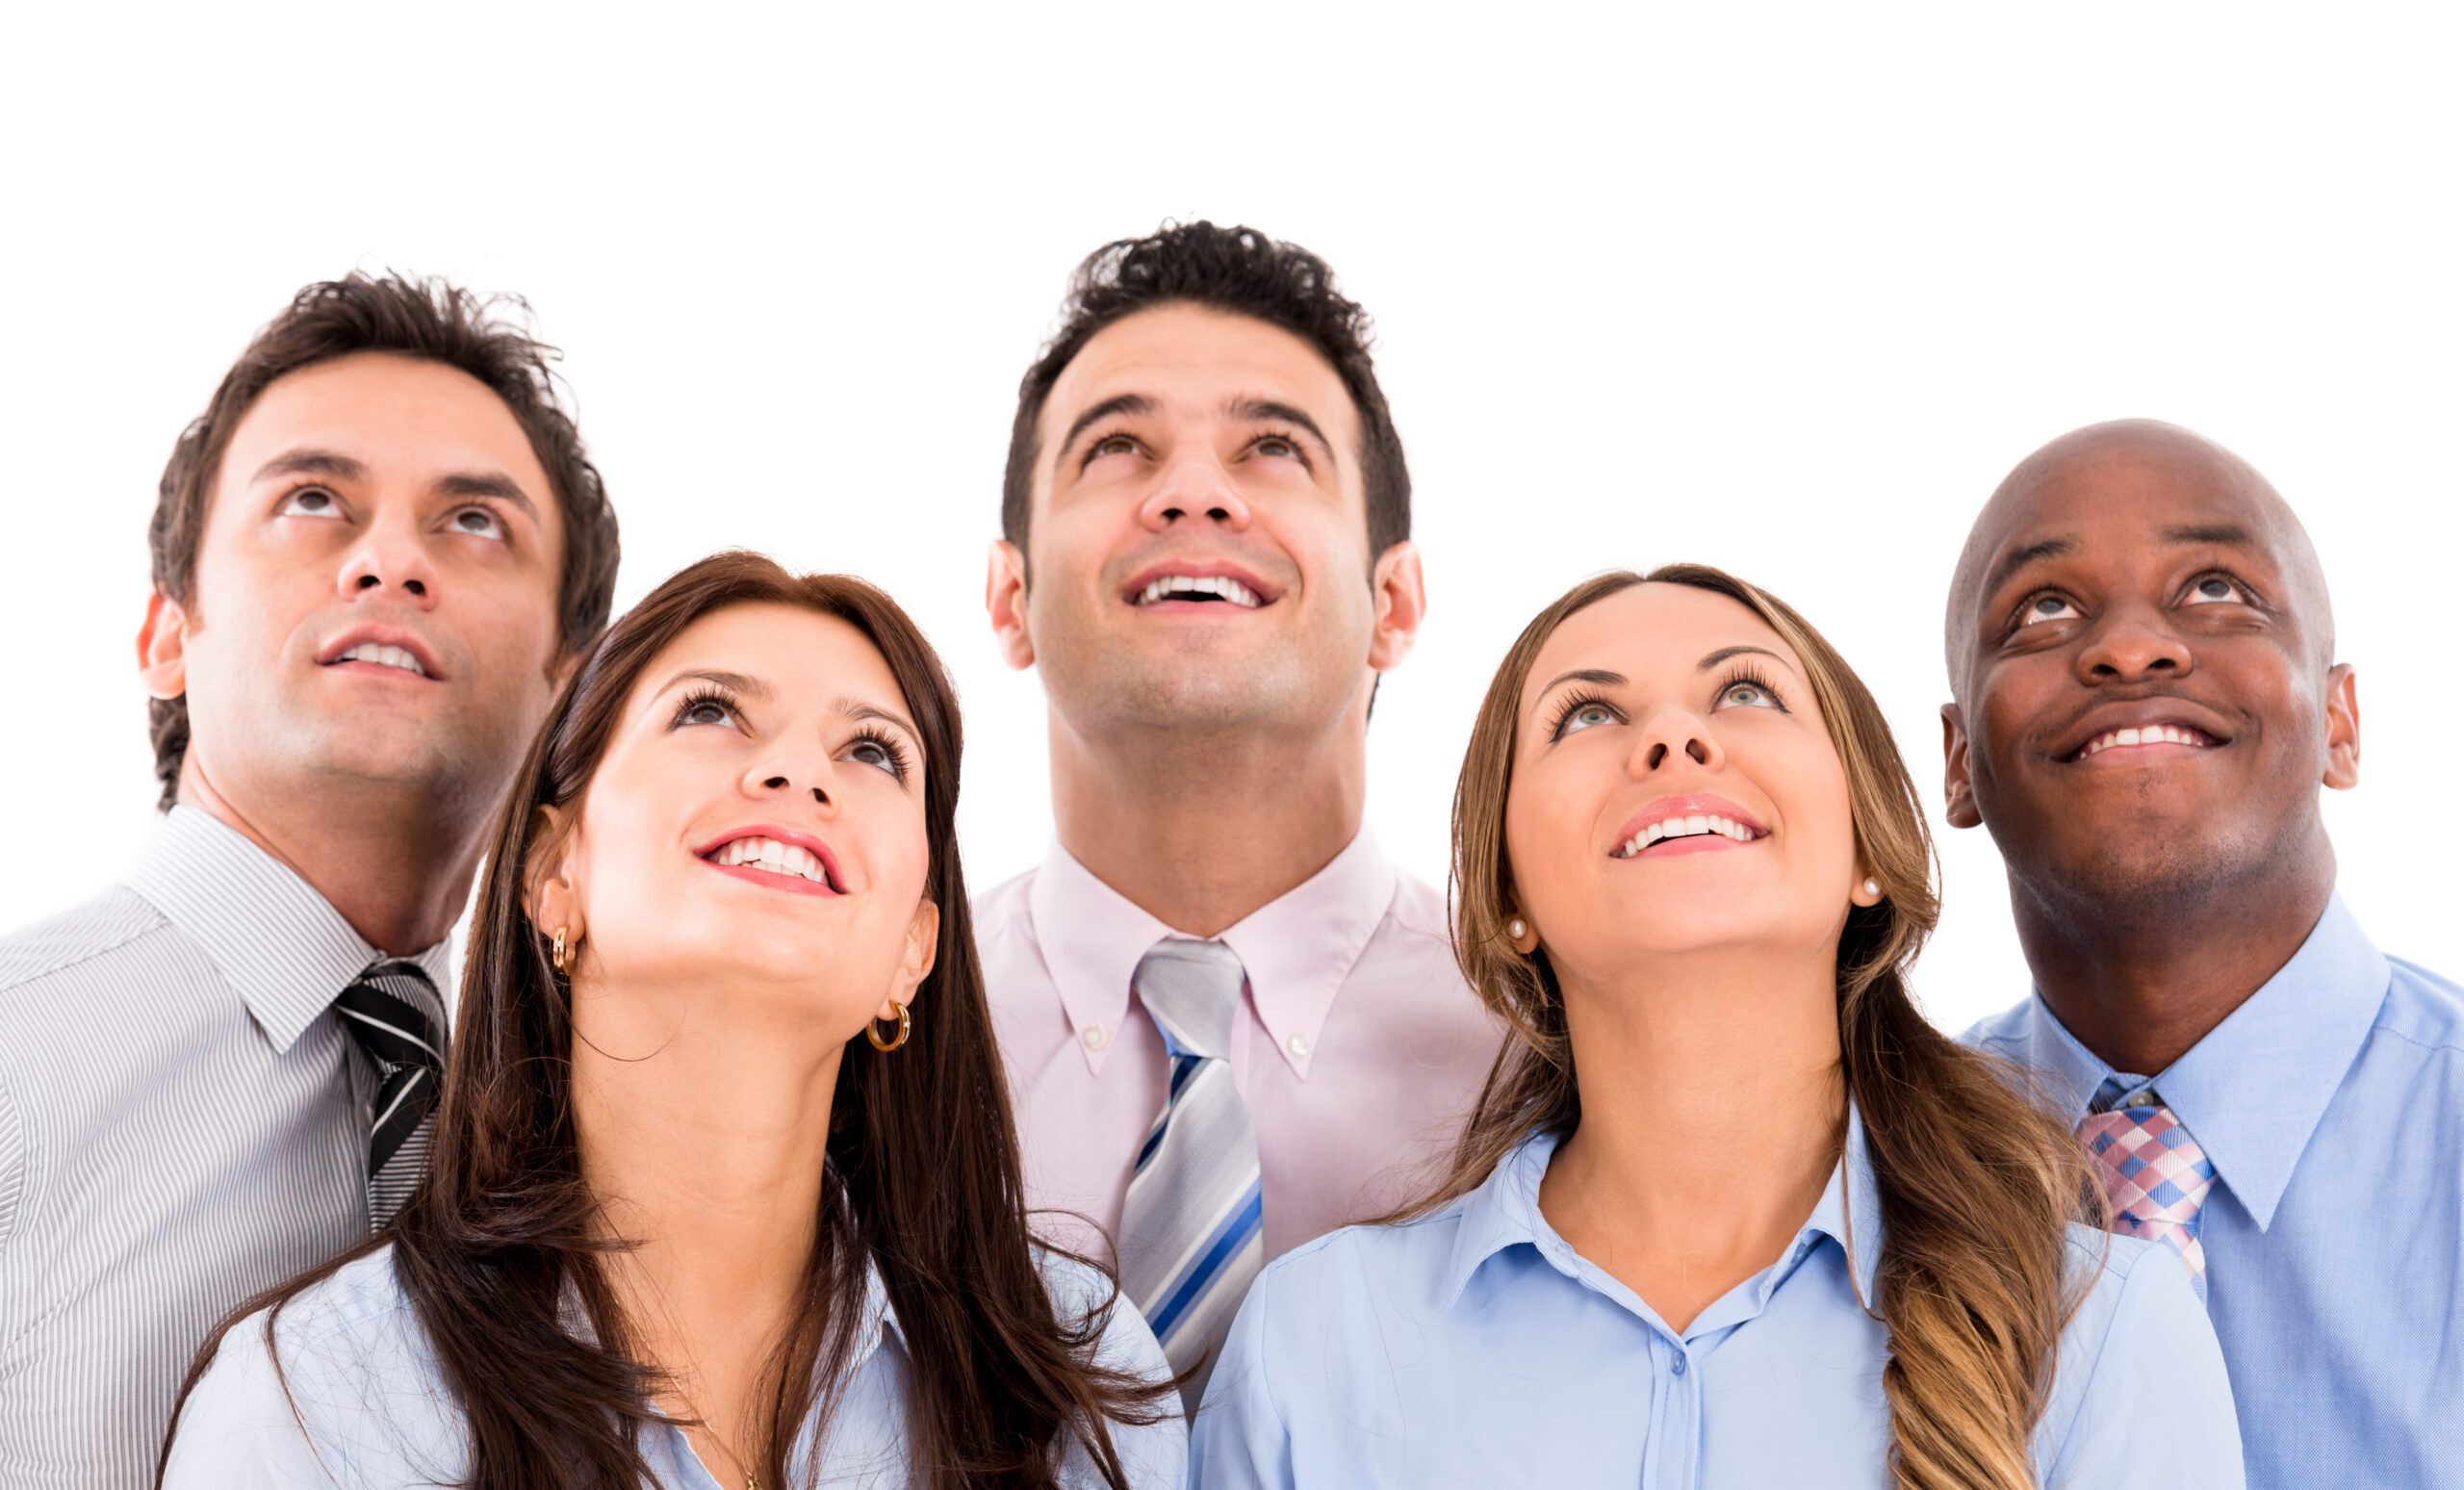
272,937
2253,1090
1296,949
1504,1212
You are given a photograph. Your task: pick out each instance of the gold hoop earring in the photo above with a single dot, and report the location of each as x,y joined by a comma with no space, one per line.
905,1025
559,954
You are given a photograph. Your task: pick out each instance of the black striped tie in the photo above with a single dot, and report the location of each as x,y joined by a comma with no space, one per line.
394,1013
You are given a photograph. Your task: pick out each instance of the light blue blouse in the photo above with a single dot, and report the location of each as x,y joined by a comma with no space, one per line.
367,1407
1473,1347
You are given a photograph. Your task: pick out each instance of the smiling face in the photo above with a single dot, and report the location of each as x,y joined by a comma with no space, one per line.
1199,537
757,823
2141,640
376,587
1675,789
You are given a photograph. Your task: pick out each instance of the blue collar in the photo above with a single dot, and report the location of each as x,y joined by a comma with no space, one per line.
1504,1212
2251,1091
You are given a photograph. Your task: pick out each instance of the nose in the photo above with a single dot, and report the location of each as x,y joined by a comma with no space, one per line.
2131,643
1670,736
390,559
1194,487
789,774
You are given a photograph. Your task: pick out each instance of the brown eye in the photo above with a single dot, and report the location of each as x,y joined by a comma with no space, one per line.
2048,608
2216,589
478,522
309,501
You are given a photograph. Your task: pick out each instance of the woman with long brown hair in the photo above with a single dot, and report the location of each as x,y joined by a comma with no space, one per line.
724,1189
1729,1211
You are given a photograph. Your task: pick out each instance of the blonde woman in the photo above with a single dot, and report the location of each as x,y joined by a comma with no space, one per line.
1730,1213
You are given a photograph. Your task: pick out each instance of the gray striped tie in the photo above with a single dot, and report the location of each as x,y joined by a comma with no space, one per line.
397,1017
1189,1240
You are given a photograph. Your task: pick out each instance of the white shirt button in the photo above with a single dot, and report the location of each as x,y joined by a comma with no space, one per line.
1298,1043
1096,1036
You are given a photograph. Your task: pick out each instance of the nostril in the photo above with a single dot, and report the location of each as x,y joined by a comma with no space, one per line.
416,587
1694,748
1659,752
775,782
365,582
818,797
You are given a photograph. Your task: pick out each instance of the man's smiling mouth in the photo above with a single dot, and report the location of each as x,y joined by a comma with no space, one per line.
383,656
2148,735
1222,589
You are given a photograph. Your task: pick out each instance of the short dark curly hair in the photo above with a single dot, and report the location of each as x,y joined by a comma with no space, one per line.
426,318
1242,272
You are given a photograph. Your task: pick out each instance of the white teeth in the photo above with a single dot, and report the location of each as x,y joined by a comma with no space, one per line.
389,657
1222,586
1685,828
2146,735
772,855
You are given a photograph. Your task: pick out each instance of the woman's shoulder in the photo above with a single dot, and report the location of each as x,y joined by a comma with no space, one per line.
2139,1371
325,1387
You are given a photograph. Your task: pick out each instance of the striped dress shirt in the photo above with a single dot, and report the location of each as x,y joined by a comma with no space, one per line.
183,1123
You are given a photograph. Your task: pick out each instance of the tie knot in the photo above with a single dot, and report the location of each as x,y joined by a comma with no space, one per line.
1192,990
395,1013
2124,1094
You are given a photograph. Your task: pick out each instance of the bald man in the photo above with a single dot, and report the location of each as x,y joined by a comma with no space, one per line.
2145,704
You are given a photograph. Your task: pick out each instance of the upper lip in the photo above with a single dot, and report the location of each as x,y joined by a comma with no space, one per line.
383,636
2139,714
803,840
1693,804
1199,569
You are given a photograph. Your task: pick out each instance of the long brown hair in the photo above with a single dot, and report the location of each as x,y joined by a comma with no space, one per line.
1976,1183
922,1151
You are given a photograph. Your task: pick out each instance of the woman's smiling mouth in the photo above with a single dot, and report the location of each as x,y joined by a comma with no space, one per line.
780,859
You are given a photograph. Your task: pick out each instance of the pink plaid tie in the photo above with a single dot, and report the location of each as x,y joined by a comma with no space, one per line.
2153,1172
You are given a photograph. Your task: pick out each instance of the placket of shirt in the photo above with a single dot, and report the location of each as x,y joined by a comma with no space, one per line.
1673,1452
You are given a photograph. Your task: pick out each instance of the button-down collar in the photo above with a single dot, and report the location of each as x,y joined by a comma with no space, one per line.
1296,949
2253,1090
1504,1212
274,940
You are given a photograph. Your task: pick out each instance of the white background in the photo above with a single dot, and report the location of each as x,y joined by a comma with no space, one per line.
1787,290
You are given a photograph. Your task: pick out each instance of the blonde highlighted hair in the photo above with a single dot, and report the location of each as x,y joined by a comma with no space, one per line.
1977,1184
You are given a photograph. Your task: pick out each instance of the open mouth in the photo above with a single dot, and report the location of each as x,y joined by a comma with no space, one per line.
1193,588
383,656
2146,735
1673,830
777,861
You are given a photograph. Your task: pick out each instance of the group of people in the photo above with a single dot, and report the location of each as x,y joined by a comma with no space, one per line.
745,1147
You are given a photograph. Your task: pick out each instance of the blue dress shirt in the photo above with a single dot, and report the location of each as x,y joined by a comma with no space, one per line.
1473,1347
361,1402
2332,1106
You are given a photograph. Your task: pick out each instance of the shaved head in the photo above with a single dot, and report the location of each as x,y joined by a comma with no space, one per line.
2121,464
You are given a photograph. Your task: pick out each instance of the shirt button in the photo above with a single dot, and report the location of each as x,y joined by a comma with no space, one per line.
1096,1036
1298,1043
1676,1365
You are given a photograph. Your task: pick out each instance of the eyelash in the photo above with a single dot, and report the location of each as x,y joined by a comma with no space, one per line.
1299,452
1574,705
1745,673
869,735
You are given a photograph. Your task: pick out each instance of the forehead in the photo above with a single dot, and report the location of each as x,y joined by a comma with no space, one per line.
1653,634
1192,359
404,413
2131,503
803,657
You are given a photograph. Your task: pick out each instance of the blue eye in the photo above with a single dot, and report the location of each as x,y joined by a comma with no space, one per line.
2047,607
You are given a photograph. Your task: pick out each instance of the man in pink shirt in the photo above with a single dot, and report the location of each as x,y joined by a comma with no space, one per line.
1206,552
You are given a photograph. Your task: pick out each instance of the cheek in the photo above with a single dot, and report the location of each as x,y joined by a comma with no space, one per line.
1545,840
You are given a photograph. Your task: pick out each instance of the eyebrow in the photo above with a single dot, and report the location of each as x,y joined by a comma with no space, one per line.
1118,403
1251,411
2229,533
1589,675
2049,548
735,682
857,708
344,468
1725,652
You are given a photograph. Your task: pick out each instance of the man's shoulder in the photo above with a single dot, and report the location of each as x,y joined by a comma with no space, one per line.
111,922
1003,907
2005,1033
1419,909
2423,1008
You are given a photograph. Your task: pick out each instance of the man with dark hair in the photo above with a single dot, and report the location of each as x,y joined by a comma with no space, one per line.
2146,702
1230,1024
376,555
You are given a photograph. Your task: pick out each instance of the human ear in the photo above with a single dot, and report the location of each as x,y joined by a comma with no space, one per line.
1867,891
1519,932
1958,791
1402,604
549,892
1005,601
161,648
923,948
2344,728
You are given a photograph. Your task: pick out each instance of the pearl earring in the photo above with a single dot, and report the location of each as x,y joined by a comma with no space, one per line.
1873,890
1516,930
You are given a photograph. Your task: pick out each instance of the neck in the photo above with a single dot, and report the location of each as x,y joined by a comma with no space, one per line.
2140,979
1712,1112
708,1147
396,863
1199,828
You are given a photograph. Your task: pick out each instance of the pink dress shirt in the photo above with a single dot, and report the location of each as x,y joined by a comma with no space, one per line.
1362,1052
